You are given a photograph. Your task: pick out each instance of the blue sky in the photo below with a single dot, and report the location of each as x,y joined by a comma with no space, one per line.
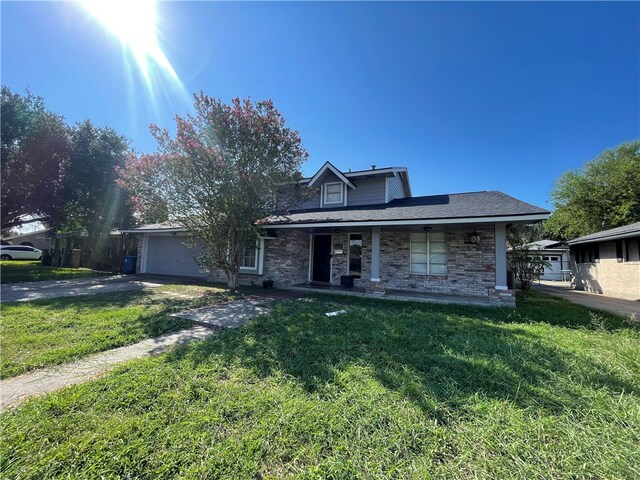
469,96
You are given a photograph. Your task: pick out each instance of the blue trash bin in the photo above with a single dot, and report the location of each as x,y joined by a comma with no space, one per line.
130,264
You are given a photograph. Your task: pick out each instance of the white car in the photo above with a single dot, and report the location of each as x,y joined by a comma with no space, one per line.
19,252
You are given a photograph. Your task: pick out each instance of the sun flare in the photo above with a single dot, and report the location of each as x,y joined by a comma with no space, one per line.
134,23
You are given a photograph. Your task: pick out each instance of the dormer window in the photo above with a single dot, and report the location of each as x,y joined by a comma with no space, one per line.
333,192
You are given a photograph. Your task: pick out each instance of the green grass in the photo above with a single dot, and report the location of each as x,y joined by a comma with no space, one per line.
49,332
17,271
388,390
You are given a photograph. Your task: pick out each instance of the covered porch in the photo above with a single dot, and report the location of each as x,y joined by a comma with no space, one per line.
444,263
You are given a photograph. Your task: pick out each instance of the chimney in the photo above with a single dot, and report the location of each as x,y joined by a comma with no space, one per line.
373,167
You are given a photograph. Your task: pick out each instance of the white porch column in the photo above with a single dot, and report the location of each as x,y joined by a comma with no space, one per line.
375,254
501,256
144,253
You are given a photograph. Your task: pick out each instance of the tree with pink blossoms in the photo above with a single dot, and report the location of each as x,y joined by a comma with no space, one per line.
226,167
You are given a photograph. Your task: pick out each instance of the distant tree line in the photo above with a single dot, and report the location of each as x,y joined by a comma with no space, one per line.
61,175
604,194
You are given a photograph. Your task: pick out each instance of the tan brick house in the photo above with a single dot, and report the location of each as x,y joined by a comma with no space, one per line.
608,262
366,228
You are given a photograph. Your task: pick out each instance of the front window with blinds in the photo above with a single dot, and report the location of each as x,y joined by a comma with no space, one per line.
428,253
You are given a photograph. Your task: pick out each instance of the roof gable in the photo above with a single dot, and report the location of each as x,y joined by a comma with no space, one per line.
316,179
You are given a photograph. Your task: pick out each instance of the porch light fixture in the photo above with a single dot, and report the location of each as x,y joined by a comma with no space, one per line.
475,238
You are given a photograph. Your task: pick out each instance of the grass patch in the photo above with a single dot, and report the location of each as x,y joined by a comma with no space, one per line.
49,332
18,271
387,390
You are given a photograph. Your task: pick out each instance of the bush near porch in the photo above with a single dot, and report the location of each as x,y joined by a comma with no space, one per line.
387,390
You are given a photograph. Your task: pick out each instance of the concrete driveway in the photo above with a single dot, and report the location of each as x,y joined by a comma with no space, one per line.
25,292
626,308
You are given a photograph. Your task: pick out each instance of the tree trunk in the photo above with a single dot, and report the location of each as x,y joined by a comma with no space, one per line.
232,281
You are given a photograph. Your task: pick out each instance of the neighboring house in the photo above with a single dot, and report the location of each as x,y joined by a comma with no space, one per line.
366,225
557,254
40,239
608,262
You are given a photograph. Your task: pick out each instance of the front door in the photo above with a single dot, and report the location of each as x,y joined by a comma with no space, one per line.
321,268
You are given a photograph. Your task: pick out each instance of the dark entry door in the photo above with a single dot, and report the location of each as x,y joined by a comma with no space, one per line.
321,271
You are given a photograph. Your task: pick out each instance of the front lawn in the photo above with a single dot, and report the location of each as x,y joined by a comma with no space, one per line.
387,390
17,271
48,332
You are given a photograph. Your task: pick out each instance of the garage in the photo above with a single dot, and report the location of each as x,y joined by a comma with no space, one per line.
168,255
553,270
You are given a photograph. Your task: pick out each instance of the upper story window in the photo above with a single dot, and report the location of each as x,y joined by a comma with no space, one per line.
333,192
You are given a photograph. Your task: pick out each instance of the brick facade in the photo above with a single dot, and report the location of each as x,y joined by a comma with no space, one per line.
609,276
286,261
470,267
287,257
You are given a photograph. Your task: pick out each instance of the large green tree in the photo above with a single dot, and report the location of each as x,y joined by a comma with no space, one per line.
604,194
227,166
62,176
35,151
91,200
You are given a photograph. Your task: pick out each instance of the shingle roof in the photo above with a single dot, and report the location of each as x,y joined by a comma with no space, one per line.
153,227
452,206
545,244
611,234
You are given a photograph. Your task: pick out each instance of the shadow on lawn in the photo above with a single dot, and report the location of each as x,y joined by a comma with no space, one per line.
152,322
432,354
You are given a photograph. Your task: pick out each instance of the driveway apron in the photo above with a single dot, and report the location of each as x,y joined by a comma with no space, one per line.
25,292
626,308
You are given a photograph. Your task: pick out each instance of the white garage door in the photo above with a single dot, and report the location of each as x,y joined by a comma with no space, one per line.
552,272
169,255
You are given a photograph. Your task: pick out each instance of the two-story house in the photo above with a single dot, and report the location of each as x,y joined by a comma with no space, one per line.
366,225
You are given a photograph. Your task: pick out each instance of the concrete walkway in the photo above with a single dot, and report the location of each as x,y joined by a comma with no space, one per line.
25,292
228,314
626,308
16,390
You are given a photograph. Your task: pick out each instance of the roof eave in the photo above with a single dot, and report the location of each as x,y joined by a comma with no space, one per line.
424,221
154,230
606,238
